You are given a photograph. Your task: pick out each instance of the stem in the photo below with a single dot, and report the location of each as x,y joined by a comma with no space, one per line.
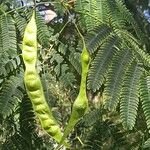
63,27
80,140
81,36
34,1
75,26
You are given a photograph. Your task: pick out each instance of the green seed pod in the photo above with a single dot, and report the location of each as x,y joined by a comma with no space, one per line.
80,105
33,84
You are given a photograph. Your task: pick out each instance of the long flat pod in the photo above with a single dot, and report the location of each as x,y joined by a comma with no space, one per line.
33,83
80,105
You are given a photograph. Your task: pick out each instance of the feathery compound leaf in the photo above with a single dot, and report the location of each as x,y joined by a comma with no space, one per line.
101,10
8,33
27,116
102,132
128,18
114,16
74,59
17,142
125,13
8,45
91,12
91,8
100,64
7,38
132,43
8,48
129,96
97,36
91,117
20,23
8,96
80,6
12,64
9,66
59,8
68,79
42,32
115,77
145,97
3,53
120,16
